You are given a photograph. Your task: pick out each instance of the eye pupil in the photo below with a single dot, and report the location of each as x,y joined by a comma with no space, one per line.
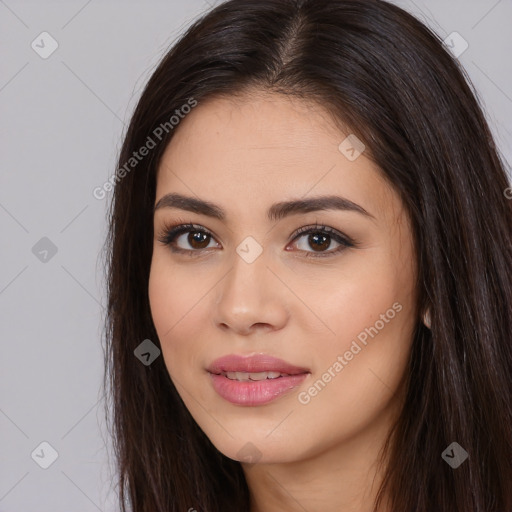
314,240
198,237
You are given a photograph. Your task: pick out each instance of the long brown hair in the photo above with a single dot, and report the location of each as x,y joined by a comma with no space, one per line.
382,73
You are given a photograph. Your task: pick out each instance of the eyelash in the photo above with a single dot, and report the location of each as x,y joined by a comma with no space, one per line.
170,232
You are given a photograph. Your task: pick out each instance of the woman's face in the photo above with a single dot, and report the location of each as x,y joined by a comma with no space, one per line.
339,306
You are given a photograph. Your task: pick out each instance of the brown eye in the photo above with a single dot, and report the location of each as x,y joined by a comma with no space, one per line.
198,239
319,240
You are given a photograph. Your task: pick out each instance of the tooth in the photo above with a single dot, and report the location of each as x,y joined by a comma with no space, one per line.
259,375
254,376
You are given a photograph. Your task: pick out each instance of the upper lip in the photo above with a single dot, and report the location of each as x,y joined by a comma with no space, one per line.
254,364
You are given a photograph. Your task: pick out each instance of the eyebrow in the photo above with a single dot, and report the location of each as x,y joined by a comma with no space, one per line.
276,212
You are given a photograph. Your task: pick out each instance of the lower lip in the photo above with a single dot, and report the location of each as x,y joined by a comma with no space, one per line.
256,392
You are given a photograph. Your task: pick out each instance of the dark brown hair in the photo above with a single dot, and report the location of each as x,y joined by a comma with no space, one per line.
385,75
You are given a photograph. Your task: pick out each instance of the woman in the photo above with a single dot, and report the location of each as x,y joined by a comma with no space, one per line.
310,225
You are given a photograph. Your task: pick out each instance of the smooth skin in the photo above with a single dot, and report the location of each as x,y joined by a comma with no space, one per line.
244,154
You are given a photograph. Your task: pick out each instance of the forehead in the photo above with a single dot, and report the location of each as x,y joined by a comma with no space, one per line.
260,148
272,125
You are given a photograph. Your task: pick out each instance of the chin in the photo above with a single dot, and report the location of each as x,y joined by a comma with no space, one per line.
257,448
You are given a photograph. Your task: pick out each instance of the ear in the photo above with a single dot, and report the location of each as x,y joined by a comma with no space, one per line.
426,318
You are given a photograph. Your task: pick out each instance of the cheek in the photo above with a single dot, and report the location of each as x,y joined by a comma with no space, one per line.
162,300
354,297
358,370
177,301
370,313
172,292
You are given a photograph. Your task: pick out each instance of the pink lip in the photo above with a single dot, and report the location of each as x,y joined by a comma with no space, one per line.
253,364
257,392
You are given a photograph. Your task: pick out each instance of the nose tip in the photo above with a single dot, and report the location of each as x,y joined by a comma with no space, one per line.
247,302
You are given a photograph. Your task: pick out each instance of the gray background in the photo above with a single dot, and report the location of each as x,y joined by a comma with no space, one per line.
62,120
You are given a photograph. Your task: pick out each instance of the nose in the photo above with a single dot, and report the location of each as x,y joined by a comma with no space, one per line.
251,298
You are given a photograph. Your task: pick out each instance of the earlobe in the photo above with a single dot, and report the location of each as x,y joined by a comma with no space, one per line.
426,318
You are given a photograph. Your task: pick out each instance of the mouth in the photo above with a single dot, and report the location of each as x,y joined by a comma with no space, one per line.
256,365
254,380
253,376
